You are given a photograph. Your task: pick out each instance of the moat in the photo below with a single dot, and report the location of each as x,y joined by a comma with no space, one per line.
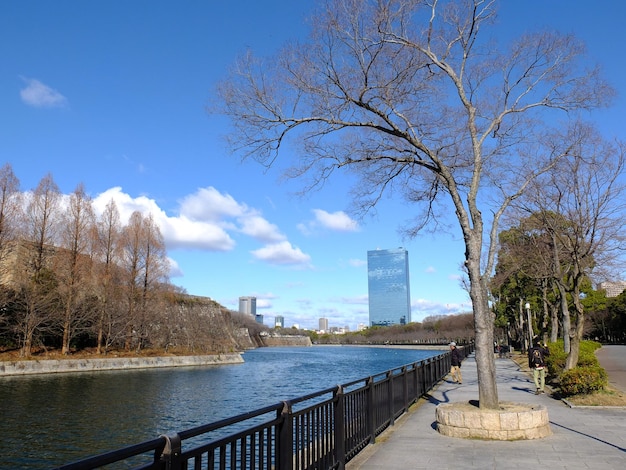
53,419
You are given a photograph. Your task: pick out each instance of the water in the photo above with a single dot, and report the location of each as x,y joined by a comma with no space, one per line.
50,420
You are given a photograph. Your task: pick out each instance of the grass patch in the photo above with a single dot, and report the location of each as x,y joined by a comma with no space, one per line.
607,397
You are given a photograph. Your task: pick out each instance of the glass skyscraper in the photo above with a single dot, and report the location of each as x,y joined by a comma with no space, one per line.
388,287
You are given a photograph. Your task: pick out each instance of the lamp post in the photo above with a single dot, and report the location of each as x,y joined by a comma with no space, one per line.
530,326
508,335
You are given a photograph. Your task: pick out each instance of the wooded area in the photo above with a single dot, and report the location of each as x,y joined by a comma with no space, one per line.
71,280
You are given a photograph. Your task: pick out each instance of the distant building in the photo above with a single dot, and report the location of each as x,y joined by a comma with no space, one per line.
613,289
247,305
279,321
388,287
259,318
361,327
323,324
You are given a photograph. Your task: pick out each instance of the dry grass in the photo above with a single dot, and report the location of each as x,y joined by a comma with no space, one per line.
89,353
608,397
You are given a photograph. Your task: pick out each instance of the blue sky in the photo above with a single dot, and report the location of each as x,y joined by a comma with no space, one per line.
113,93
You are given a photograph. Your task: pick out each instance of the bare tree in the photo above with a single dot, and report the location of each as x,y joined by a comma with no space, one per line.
9,206
42,220
131,262
37,284
107,256
10,214
407,95
154,277
145,269
580,204
73,264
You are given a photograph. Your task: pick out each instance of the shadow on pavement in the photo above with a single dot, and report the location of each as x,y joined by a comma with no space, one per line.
587,435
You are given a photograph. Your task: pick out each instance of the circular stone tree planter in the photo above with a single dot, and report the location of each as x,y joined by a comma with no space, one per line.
511,422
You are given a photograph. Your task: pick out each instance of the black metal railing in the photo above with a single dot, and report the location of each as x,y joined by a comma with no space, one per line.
322,430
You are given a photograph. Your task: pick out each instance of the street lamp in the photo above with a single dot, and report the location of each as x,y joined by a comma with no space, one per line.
530,326
508,335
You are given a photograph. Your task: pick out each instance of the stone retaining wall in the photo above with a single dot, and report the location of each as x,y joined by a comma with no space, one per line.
49,366
513,421
287,341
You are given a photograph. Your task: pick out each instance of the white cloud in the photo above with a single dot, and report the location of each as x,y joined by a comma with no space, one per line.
39,95
430,269
205,221
175,270
336,221
263,303
359,300
422,308
339,221
126,204
357,263
178,231
282,253
210,204
259,228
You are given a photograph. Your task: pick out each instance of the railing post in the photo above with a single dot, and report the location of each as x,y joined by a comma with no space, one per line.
171,452
340,428
285,438
431,365
390,398
371,412
405,384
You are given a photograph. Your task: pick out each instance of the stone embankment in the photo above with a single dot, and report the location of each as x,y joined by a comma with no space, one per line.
286,340
49,366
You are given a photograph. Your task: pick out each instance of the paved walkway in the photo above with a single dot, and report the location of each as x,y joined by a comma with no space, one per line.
583,438
613,360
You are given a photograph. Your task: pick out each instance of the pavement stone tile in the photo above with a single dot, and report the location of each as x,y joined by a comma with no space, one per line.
583,438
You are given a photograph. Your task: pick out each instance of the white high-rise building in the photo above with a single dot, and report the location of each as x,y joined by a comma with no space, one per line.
613,289
247,305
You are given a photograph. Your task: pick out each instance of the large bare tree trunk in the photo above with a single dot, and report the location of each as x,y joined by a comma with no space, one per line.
483,326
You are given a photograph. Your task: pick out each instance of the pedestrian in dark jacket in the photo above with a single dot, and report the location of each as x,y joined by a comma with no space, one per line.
537,363
456,357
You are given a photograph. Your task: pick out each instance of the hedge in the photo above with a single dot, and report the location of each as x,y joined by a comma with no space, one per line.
587,377
583,380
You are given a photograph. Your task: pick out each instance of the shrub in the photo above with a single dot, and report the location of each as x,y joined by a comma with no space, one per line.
556,360
586,356
583,380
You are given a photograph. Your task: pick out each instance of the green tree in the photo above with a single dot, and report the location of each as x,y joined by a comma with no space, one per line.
579,205
617,319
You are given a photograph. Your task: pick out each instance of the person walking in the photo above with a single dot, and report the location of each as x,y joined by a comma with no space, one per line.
455,369
537,363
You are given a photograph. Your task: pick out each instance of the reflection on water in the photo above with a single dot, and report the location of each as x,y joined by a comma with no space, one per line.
50,420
